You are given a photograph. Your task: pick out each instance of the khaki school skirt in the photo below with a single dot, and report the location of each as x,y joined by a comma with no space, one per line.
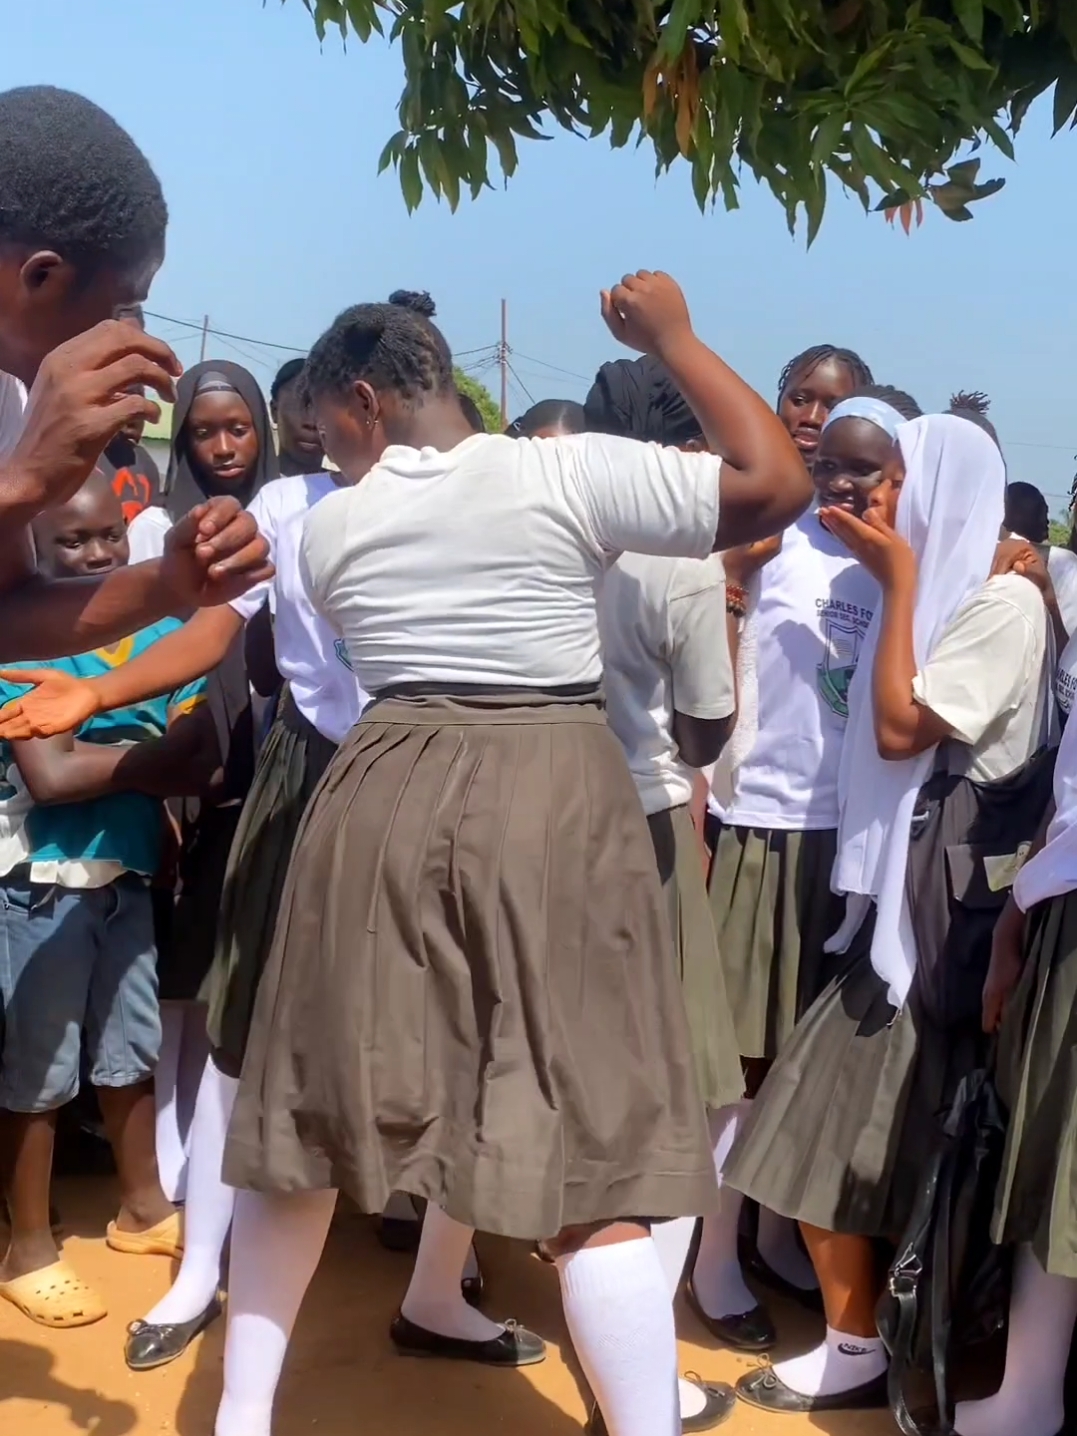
1036,1200
710,1021
850,1113
471,995
290,766
773,911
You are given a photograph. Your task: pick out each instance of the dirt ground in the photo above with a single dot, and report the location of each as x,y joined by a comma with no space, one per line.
342,1376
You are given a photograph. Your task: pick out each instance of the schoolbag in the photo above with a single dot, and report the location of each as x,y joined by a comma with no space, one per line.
948,1287
967,842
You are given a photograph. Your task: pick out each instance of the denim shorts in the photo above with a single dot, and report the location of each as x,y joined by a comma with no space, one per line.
75,962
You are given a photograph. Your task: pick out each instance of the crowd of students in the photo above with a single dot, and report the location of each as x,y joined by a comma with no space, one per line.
564,834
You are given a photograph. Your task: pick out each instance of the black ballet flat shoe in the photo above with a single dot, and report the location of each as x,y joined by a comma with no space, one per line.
810,1298
753,1332
721,1400
516,1346
763,1389
543,1252
149,1346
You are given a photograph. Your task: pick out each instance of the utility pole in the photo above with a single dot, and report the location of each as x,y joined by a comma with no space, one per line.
205,336
503,355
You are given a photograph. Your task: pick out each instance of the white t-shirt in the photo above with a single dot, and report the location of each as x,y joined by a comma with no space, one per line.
815,604
480,566
311,657
146,534
1062,568
984,678
665,648
12,404
1066,678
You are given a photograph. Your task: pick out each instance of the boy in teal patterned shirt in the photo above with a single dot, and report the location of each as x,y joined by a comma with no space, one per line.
81,834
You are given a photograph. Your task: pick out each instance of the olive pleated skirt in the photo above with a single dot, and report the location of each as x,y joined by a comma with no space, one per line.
849,1114
773,911
710,1021
471,995
290,766
1036,1200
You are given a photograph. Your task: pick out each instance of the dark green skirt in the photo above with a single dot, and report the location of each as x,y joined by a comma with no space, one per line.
710,1021
849,1113
773,911
1037,1078
290,766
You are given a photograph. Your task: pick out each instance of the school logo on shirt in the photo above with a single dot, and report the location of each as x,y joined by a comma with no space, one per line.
844,626
340,649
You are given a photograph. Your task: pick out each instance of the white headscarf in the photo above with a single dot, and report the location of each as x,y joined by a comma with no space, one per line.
950,513
862,406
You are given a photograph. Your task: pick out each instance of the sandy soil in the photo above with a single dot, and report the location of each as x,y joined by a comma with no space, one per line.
342,1377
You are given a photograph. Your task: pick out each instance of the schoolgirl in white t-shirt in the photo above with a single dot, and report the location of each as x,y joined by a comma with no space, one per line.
774,828
840,1133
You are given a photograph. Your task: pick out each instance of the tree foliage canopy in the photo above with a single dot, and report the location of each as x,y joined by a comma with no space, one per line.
883,96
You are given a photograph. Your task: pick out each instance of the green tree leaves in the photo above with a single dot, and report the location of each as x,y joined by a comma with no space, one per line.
882,96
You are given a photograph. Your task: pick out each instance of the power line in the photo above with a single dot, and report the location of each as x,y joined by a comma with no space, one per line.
223,333
523,386
571,373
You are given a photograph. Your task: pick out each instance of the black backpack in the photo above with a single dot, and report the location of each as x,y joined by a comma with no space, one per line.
948,1287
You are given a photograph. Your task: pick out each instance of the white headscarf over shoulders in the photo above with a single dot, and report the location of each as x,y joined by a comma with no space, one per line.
950,513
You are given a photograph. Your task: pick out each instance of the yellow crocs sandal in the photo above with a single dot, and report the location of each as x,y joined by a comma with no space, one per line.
165,1239
54,1296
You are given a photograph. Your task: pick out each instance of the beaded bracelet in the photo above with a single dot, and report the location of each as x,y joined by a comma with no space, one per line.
736,599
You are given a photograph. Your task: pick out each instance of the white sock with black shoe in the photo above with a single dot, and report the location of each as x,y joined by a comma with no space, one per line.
841,1363
717,1279
1030,1401
620,1318
433,1299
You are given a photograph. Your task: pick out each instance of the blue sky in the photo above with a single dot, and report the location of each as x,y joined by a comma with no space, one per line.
267,147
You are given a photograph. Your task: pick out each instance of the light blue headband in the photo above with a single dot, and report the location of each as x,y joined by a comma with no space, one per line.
884,416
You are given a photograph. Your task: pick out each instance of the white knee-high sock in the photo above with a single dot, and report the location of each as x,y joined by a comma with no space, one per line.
717,1279
208,1214
672,1241
171,1156
620,1318
782,1252
433,1299
277,1240
1043,1311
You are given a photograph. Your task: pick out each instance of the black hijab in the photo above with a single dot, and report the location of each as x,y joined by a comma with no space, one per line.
228,689
637,398
185,486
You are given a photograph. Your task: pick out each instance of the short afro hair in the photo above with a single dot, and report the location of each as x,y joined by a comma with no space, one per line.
563,414
72,180
391,347
290,370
